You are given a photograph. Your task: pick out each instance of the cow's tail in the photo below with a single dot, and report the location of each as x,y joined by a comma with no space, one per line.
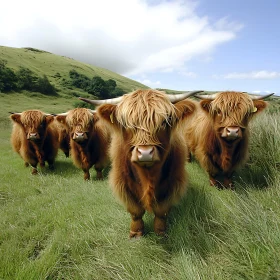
149,198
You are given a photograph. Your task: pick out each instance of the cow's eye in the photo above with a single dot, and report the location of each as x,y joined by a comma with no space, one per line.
164,124
218,111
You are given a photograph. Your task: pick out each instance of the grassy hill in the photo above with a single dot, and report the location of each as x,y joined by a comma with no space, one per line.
57,68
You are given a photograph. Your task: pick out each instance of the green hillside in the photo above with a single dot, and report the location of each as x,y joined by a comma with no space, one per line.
57,68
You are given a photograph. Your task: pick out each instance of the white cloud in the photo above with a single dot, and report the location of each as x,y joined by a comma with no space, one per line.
150,83
188,74
255,75
125,36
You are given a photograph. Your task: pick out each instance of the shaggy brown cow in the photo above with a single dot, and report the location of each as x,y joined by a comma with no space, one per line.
34,138
217,134
147,153
89,140
63,137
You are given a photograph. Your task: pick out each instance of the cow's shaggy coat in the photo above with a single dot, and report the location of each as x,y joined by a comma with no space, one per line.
89,140
218,134
34,138
148,155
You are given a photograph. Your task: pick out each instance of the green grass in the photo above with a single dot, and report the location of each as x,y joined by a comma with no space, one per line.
45,63
57,226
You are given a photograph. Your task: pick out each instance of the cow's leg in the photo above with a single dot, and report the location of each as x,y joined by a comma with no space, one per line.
33,164
161,219
99,175
189,157
26,164
215,183
137,224
51,164
86,174
64,146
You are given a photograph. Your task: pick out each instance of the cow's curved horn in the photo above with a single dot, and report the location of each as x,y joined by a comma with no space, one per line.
258,97
62,114
174,98
92,111
206,96
113,101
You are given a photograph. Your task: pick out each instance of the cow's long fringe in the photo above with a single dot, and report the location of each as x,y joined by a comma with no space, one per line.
234,106
145,112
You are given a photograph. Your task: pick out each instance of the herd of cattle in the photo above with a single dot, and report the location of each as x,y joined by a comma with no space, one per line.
147,136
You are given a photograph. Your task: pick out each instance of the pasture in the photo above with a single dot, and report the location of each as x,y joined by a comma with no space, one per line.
57,226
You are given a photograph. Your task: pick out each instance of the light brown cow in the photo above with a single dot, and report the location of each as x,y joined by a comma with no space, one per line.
147,153
34,138
217,134
89,140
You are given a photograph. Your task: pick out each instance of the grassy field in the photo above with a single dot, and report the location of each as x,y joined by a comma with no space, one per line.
56,226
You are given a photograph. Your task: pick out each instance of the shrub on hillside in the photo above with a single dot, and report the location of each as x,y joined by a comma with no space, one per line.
28,80
8,78
96,86
44,86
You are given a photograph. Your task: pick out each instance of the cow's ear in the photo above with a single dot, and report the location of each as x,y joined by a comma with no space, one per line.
259,105
49,119
107,112
61,119
184,108
95,117
205,104
16,118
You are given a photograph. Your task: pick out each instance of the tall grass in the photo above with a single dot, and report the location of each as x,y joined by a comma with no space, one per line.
57,226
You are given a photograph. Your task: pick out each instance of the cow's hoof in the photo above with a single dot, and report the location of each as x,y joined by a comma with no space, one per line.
162,234
51,167
135,234
34,171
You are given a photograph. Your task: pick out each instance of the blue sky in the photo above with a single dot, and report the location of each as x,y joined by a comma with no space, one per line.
180,45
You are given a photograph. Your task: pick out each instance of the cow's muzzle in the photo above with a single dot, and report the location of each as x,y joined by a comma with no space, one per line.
79,136
33,136
231,133
145,155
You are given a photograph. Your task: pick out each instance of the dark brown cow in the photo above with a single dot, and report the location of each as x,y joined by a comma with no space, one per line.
147,153
63,137
217,134
34,138
89,140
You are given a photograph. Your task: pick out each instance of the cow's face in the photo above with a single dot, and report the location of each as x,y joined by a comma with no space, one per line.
231,112
79,123
145,123
34,123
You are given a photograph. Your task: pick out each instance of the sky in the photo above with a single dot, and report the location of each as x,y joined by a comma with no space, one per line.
180,45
